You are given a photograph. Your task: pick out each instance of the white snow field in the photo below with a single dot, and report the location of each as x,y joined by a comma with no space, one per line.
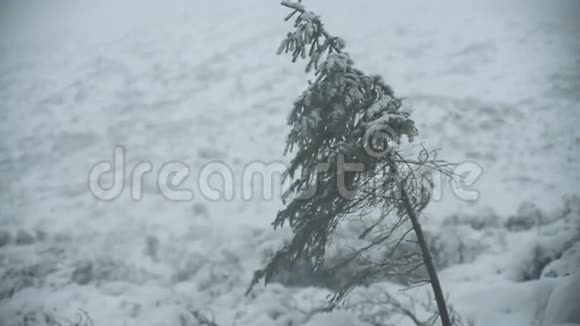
492,83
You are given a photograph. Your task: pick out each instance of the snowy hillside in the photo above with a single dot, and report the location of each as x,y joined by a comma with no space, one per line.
494,84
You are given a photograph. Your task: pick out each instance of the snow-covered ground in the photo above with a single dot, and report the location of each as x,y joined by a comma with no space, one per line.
492,83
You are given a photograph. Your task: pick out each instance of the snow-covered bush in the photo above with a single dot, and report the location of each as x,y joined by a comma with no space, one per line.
527,217
5,238
535,261
106,269
565,241
564,303
14,279
453,245
482,219
567,264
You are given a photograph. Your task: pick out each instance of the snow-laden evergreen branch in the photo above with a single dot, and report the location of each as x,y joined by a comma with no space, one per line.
310,39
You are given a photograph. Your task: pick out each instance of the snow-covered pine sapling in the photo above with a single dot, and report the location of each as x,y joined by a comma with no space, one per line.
346,128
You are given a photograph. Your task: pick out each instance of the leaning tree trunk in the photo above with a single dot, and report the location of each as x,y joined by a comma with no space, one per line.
427,259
